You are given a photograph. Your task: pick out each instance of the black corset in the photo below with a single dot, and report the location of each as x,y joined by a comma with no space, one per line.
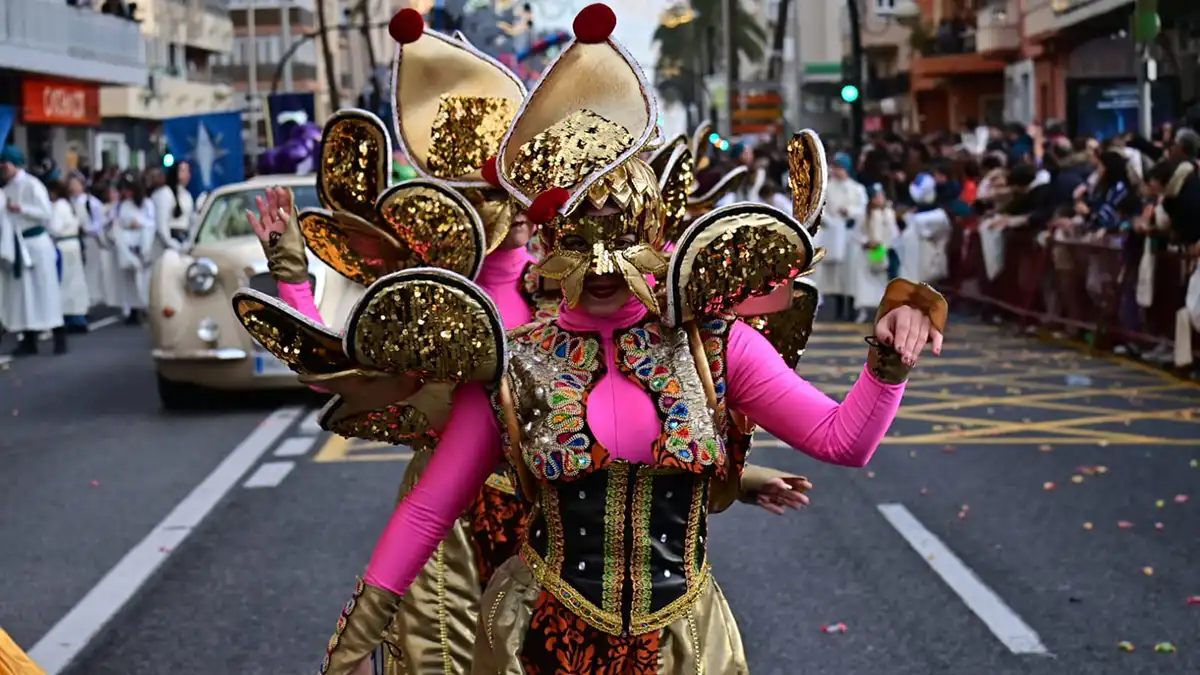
623,547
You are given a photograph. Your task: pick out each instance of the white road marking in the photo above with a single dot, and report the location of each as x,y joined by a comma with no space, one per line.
104,323
269,475
63,643
295,447
999,617
310,425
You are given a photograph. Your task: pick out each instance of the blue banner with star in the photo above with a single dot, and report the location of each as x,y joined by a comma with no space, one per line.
212,144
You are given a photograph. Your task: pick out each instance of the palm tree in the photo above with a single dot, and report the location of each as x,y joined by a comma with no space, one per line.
685,51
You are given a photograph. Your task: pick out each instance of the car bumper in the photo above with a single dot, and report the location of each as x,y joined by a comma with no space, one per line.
226,369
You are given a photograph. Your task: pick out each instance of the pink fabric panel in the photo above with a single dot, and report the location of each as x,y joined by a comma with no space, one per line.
300,298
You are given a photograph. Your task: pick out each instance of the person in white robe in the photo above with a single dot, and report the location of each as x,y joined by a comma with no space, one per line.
134,236
90,212
110,266
173,210
927,230
867,257
31,302
845,208
67,231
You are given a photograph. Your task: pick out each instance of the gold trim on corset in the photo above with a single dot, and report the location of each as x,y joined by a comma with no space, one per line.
609,622
639,566
552,516
614,538
699,504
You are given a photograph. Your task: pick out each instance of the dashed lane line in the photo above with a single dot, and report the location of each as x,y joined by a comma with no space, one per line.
64,642
1004,623
269,475
295,447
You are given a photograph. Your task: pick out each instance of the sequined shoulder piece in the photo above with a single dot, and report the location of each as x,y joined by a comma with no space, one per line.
807,171
675,182
731,255
306,347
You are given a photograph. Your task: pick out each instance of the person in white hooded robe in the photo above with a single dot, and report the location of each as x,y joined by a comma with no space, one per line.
867,256
134,234
67,230
173,210
97,251
30,299
845,208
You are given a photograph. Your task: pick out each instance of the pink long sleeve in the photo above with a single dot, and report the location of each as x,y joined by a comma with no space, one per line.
300,298
467,453
763,388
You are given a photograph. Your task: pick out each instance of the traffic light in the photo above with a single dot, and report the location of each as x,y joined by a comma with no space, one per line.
168,160
850,93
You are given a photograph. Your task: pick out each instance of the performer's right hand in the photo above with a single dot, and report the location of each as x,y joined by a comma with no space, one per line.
279,233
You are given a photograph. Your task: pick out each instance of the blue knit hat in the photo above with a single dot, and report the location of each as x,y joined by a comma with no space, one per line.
13,155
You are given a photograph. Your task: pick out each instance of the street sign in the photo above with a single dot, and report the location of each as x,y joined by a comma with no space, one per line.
757,113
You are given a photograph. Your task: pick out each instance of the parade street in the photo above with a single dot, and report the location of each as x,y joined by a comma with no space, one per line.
1032,510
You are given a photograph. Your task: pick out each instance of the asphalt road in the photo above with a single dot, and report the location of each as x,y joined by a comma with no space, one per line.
235,535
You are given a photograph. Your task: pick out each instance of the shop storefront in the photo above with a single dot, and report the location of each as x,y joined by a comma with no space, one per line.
59,118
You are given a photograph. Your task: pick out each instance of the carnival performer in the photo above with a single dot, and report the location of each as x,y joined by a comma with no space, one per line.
67,231
613,411
134,236
435,627
173,210
31,301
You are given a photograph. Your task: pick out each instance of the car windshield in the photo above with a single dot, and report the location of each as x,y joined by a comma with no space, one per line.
226,217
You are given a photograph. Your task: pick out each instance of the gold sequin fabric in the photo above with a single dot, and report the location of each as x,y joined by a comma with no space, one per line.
569,151
355,165
496,210
788,331
435,226
394,424
806,173
353,247
289,336
735,253
676,183
466,133
428,329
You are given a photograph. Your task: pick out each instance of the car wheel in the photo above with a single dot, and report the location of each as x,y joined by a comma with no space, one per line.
179,395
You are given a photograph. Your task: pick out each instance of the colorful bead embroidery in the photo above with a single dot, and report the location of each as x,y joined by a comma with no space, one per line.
341,624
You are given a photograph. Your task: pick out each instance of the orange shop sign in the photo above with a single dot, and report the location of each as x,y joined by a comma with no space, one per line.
53,102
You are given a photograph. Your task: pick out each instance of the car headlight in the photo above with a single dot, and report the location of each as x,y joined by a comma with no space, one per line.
201,277
208,330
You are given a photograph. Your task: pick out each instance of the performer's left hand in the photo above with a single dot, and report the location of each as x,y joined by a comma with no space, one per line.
907,330
781,493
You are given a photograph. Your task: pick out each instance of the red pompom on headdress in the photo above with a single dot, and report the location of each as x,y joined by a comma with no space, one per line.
546,205
490,173
407,26
594,24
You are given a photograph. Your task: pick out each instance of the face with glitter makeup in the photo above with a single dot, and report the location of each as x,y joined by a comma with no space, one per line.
603,293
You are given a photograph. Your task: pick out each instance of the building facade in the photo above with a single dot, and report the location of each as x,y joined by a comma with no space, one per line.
54,59
184,40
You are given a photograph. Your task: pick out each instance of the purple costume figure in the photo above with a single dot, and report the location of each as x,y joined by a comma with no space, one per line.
297,155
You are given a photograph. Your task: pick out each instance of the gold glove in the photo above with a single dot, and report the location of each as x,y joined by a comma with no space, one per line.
285,251
360,629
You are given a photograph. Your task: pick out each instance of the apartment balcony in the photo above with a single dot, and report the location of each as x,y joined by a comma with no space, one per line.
170,97
210,31
1046,18
53,38
998,31
951,49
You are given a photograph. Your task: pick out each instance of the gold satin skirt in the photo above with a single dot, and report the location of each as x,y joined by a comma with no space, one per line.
433,633
525,631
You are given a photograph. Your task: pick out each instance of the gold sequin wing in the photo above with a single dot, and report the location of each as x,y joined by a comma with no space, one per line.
304,345
731,255
352,246
675,183
699,141
658,158
700,204
788,330
395,423
437,223
356,162
807,174
431,324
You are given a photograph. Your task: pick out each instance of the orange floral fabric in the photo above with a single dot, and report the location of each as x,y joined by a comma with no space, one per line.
498,522
559,643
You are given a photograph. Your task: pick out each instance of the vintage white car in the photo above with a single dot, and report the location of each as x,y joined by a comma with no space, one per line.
199,348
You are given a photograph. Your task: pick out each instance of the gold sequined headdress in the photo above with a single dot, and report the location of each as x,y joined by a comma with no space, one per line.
575,142
453,103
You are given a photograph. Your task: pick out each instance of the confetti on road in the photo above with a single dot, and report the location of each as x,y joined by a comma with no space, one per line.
1077,479
870,474
1125,646
1103,444
1159,526
964,512
1181,499
1162,503
95,483
912,453
1148,571
949,449
1045,448
1048,485
1088,526
923,491
1124,524
834,628
1193,600
1164,648
1195,463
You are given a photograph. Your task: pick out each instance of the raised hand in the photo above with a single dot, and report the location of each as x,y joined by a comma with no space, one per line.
907,330
273,215
277,229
